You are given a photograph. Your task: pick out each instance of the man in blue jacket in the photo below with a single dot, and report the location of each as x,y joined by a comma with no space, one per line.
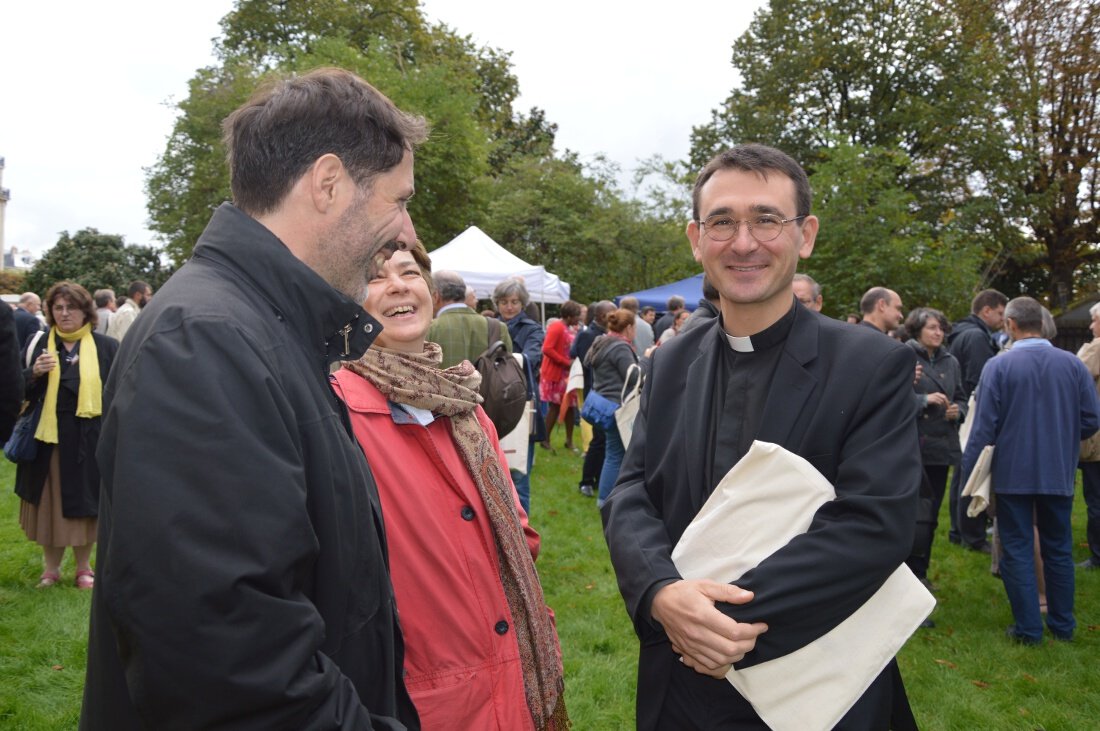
1036,403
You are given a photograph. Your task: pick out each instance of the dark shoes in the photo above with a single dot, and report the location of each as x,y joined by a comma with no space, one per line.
1012,634
927,624
1089,564
983,547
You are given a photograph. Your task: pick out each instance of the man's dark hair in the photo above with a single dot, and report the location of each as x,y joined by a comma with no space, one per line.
759,159
590,313
871,298
450,286
287,124
137,287
675,302
603,308
987,298
648,308
1026,313
919,317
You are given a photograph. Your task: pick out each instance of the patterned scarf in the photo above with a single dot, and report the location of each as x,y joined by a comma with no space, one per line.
417,380
89,395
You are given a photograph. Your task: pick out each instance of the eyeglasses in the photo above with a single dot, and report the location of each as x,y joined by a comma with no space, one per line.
764,228
65,308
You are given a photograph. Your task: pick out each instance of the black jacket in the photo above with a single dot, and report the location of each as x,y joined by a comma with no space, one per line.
841,398
26,325
971,342
939,438
11,373
77,437
242,579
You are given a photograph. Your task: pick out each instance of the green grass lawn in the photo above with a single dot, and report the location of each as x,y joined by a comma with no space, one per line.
962,675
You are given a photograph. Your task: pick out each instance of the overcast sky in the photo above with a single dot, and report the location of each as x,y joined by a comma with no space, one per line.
86,89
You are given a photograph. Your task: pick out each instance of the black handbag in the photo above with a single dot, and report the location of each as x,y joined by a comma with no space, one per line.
22,447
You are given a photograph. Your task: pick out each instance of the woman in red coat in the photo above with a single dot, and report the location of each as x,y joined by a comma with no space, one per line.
554,372
481,650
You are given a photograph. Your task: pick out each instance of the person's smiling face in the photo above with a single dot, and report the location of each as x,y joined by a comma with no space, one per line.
752,277
399,298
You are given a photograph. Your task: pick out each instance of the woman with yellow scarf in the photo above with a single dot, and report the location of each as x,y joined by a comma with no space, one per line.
60,487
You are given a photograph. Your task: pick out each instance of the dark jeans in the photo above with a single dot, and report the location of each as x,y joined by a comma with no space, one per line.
964,529
1016,516
932,490
1090,486
593,458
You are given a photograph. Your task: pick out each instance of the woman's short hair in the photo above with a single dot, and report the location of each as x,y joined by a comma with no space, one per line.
511,287
569,308
619,320
919,317
420,256
76,295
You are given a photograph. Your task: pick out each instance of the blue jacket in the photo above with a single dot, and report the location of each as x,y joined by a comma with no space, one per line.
1035,403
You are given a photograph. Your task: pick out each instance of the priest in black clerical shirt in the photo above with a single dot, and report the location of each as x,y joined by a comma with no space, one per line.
770,370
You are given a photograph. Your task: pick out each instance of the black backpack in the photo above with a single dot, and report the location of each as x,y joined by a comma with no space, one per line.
503,385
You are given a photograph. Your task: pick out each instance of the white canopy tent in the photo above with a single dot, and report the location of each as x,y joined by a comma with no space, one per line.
484,263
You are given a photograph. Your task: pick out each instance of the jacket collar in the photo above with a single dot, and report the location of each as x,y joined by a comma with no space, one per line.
335,327
791,388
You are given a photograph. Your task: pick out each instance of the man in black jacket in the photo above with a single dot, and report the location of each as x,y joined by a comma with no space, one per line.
971,342
11,373
242,560
771,370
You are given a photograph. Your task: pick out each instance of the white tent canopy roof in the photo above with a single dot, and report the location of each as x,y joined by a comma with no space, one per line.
484,263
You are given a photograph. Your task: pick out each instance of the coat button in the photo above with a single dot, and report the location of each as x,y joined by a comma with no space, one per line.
501,627
467,512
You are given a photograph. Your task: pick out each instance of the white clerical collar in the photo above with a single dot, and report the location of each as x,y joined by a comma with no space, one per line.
740,345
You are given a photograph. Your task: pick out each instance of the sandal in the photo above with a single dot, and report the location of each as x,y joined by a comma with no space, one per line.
48,578
85,579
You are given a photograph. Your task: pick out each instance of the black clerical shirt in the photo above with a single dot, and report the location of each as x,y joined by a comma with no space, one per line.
737,404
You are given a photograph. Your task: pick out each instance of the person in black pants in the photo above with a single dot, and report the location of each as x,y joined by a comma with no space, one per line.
943,407
593,458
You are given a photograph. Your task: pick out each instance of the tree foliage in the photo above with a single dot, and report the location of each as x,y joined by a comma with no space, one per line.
485,163
992,105
875,235
96,261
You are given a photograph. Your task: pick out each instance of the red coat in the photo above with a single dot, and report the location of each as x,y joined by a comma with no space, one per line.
462,660
555,353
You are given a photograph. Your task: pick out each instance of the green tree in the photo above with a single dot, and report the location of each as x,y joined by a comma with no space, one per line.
96,261
993,103
575,221
870,235
464,91
1051,111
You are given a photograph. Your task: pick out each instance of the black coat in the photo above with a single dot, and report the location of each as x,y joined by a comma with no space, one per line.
11,373
939,438
971,342
242,579
26,325
76,437
841,397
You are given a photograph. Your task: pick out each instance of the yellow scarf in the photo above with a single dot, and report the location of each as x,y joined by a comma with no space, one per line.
89,397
